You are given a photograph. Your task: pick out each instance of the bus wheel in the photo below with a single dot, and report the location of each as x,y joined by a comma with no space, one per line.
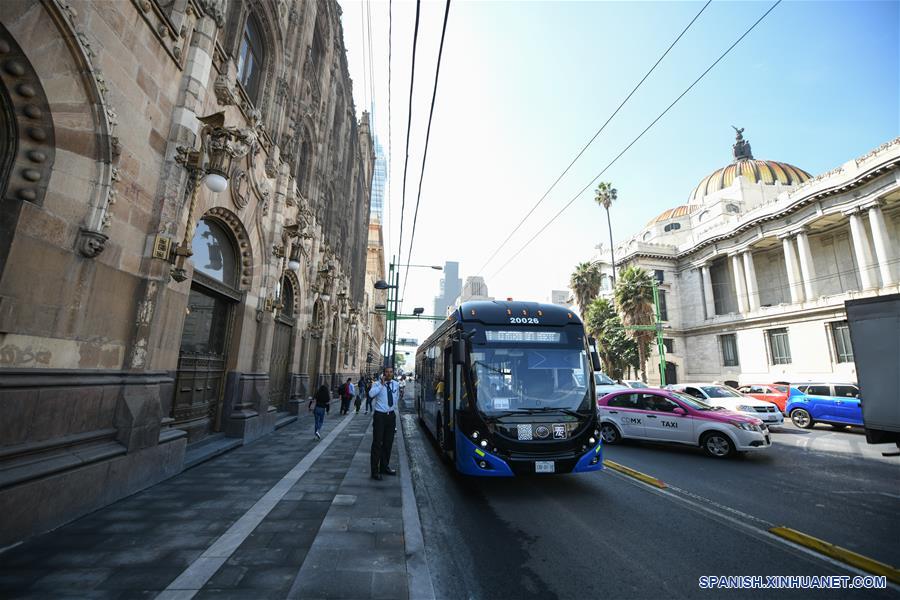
609,434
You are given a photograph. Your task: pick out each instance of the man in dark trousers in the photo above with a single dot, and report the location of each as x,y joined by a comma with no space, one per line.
385,394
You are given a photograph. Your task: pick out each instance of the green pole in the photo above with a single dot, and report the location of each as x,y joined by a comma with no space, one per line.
661,347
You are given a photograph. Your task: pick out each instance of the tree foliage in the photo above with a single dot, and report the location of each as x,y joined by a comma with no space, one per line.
617,349
634,299
585,284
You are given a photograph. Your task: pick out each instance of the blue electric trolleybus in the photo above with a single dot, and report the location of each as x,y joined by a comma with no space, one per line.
506,388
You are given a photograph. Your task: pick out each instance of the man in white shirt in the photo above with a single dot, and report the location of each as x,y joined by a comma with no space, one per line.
385,393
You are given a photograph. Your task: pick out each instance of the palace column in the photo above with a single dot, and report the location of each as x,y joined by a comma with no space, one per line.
861,250
807,267
709,299
750,274
883,246
740,287
793,270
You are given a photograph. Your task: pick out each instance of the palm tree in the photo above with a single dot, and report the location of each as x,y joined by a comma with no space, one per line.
606,195
634,299
585,284
617,349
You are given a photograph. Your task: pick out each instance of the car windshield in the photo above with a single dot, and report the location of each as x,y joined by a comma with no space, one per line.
781,388
637,384
602,379
694,403
720,391
527,379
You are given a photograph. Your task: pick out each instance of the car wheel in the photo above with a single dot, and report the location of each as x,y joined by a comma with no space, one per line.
717,444
609,434
800,417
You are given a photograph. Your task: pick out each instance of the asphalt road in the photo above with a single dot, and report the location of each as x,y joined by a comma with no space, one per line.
603,534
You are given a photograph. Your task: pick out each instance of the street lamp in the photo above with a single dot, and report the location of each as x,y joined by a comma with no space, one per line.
418,311
219,145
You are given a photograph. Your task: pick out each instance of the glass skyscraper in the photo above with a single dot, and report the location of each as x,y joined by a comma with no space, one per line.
378,181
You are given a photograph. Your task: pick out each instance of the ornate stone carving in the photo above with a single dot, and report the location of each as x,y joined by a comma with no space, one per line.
239,185
225,94
213,9
90,243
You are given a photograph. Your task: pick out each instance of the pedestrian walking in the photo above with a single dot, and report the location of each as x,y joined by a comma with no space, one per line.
386,393
346,393
320,405
360,392
370,379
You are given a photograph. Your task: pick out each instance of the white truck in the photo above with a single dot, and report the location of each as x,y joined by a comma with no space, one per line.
875,335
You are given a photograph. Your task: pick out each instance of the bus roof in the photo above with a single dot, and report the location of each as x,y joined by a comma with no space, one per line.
498,312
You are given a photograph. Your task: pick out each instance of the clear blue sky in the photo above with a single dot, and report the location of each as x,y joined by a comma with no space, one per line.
525,84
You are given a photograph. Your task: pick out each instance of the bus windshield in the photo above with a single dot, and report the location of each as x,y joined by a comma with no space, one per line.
522,379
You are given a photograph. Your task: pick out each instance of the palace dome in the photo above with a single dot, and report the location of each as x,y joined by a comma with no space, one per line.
756,171
673,213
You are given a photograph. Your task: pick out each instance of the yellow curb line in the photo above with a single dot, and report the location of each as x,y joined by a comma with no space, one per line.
842,554
635,474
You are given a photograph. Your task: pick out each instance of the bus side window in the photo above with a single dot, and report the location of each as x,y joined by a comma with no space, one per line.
458,389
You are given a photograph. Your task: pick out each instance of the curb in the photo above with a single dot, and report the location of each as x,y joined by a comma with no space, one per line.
842,554
643,477
417,572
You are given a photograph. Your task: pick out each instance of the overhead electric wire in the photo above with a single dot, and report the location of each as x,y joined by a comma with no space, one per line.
437,72
591,141
412,79
390,162
634,141
362,30
371,70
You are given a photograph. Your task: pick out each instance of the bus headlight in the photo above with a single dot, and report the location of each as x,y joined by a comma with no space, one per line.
484,443
475,435
593,440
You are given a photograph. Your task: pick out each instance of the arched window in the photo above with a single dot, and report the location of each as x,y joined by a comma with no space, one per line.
647,236
672,227
703,216
214,254
251,58
287,297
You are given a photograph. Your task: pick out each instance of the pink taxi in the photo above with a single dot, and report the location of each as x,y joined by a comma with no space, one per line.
667,416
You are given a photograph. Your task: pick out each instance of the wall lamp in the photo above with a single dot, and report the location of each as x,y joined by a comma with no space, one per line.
219,145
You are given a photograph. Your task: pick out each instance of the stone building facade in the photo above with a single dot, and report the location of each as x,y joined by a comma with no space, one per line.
755,268
143,308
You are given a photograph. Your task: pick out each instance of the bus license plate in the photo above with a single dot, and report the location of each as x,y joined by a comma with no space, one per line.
544,466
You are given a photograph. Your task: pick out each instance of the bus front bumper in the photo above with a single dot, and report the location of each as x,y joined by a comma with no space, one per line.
472,460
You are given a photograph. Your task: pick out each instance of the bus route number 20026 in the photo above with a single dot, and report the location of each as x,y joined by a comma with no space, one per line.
525,320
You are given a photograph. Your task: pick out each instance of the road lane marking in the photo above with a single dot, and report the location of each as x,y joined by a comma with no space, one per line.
842,554
649,480
199,572
739,523
417,571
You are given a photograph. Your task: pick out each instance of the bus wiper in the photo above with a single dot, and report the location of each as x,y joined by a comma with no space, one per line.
532,411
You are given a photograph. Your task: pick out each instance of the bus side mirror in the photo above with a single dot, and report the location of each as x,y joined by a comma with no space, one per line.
459,352
595,361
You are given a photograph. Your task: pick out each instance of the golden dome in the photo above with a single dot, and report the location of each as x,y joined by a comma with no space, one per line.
756,171
674,213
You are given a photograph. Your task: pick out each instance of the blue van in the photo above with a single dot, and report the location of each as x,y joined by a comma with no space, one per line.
837,404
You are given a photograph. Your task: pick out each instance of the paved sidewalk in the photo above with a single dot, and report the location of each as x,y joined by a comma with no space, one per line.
285,516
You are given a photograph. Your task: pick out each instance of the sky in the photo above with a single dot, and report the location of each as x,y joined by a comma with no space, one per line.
524,85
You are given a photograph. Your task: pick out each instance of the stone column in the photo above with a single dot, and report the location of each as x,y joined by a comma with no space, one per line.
793,271
750,274
709,299
861,250
740,287
882,240
807,267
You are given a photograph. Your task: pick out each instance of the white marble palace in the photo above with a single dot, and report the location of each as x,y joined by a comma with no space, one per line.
756,267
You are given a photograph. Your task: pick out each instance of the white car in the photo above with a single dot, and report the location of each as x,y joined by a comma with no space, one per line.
604,385
731,399
635,384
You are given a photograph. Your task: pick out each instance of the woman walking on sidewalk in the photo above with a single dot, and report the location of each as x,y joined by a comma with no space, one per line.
322,403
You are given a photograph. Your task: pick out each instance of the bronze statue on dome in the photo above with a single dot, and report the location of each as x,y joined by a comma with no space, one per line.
741,148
